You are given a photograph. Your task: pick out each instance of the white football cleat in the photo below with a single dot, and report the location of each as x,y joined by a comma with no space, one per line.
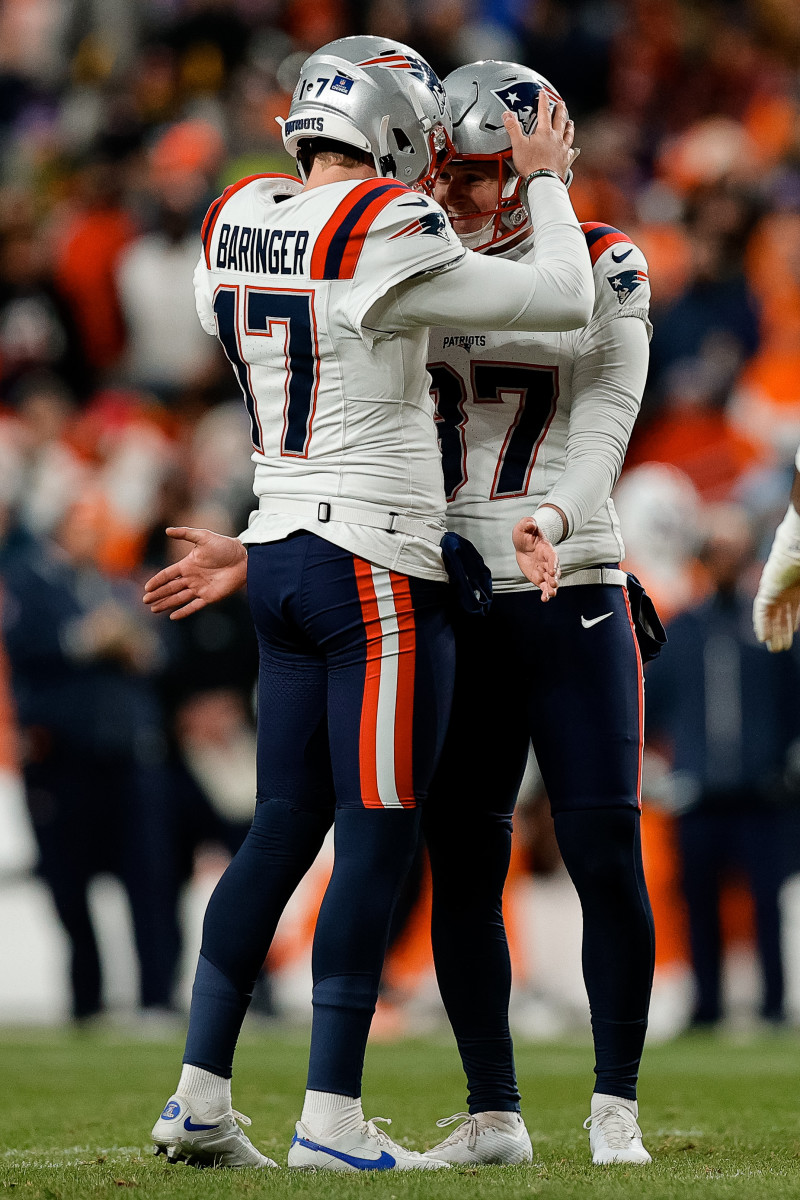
364,1149
204,1141
484,1138
614,1136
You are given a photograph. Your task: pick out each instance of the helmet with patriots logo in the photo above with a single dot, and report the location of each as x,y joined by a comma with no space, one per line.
379,96
479,94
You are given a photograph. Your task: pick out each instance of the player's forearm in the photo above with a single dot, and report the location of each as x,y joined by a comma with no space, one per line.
594,462
776,608
582,489
608,384
782,568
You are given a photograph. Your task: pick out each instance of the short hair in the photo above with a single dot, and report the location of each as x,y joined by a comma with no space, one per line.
332,154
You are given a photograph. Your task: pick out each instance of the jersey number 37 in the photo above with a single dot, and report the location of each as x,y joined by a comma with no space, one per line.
536,390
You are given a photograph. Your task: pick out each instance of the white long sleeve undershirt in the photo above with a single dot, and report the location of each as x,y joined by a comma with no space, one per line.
608,382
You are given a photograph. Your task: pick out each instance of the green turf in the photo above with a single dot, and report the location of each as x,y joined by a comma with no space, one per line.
720,1118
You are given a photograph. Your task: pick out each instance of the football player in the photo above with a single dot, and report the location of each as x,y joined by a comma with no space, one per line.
776,609
533,430
343,564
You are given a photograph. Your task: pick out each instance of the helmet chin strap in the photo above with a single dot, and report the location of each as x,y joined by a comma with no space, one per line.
478,237
385,165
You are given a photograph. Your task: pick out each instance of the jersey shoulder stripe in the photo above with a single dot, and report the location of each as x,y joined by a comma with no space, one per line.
599,237
210,219
339,245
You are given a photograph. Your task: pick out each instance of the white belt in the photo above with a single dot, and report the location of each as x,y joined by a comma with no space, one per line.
324,511
595,575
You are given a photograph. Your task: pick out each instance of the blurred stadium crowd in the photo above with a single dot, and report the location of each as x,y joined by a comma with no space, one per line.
120,121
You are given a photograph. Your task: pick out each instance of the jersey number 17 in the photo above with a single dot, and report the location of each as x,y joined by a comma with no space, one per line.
292,313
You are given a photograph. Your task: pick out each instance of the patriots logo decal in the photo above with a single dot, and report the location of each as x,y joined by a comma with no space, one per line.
419,69
626,282
522,98
430,223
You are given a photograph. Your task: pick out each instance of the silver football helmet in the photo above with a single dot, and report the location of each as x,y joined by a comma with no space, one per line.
379,96
479,94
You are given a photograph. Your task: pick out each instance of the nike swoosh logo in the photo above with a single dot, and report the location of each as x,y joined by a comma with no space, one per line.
413,204
187,1124
595,620
621,257
384,1163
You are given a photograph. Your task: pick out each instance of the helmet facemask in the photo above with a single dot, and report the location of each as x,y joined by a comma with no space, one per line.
508,222
441,152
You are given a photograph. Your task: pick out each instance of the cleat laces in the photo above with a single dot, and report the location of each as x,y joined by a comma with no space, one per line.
468,1129
380,1135
383,1139
617,1125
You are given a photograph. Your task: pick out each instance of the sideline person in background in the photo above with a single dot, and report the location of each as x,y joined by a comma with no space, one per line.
730,715
84,672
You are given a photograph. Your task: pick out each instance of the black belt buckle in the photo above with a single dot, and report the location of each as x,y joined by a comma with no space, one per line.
324,512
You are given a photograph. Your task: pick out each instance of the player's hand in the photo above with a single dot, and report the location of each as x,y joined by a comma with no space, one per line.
214,568
537,557
775,620
549,147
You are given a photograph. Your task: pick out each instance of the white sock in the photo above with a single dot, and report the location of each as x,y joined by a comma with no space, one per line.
208,1092
599,1100
328,1115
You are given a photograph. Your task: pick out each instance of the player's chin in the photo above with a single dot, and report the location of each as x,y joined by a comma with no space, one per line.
462,224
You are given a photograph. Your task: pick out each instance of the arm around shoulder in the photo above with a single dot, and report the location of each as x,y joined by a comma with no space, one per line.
552,292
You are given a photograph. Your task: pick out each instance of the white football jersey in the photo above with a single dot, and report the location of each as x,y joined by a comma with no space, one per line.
284,281
514,410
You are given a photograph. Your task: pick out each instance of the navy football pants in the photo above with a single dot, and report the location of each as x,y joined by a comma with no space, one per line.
355,685
533,673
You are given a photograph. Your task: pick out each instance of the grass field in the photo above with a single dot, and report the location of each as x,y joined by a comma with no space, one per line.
721,1119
